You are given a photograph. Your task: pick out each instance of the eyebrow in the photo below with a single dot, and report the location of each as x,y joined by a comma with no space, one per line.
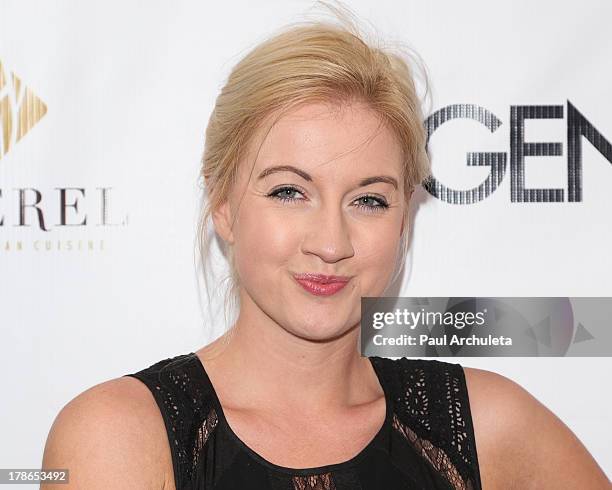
305,176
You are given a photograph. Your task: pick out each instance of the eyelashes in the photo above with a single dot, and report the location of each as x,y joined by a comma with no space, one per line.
283,194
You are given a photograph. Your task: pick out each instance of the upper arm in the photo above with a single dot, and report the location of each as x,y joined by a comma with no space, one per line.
521,444
110,436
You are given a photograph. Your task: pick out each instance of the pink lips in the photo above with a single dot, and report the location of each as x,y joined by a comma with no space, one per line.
320,284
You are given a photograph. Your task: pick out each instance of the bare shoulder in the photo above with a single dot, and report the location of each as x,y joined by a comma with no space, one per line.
521,444
111,436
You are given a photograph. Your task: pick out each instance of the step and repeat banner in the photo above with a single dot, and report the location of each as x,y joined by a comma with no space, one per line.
103,107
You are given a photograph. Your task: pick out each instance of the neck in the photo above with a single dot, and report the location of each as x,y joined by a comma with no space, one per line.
273,365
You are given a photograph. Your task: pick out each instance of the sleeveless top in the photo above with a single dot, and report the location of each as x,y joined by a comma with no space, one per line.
426,441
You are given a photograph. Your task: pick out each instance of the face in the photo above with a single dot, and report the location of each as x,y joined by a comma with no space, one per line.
335,207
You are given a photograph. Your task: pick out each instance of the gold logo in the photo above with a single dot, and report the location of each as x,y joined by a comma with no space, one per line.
20,110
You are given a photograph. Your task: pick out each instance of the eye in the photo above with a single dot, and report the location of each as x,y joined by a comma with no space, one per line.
284,193
369,203
381,204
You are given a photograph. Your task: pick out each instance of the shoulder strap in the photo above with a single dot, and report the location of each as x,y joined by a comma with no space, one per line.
432,410
185,404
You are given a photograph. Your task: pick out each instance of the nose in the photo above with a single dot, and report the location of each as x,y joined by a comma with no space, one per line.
328,235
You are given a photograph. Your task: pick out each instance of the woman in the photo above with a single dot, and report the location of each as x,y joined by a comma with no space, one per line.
313,150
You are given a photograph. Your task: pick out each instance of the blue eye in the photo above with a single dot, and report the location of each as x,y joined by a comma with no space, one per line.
284,193
379,204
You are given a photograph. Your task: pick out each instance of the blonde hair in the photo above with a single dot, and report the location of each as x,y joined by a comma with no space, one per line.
308,61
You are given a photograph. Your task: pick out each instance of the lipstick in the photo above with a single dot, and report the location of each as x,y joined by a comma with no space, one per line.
321,284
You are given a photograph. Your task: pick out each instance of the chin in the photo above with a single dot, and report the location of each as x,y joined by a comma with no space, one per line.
321,330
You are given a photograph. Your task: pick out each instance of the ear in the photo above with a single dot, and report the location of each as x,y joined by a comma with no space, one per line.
222,219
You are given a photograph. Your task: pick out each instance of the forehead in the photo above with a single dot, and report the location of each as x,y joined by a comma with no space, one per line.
314,135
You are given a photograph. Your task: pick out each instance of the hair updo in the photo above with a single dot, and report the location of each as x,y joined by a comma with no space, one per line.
309,61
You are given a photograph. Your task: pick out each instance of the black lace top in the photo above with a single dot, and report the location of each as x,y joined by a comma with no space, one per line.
426,441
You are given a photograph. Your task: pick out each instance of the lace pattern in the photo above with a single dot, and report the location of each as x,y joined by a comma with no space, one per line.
435,456
204,432
314,482
428,399
432,413
186,410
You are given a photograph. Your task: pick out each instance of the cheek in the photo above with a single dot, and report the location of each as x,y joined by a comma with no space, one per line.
377,254
264,234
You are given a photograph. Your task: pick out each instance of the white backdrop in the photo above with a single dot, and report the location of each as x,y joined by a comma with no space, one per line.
128,87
